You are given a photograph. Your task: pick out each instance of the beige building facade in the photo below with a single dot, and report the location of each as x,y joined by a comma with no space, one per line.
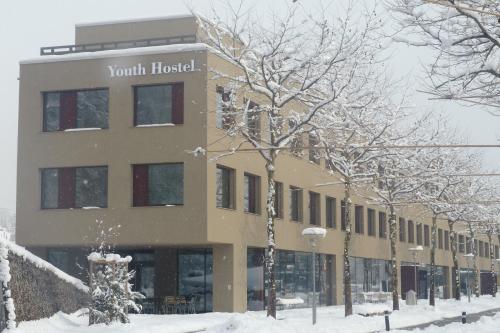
108,135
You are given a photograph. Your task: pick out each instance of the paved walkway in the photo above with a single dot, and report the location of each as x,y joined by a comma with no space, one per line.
471,317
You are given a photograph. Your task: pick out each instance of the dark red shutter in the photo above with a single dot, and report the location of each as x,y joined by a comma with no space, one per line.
140,184
68,110
178,103
66,188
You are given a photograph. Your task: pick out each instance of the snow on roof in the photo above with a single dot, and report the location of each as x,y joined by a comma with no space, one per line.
42,264
144,19
174,48
314,232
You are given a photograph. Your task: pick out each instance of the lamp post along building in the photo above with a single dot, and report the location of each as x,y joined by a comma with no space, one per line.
106,132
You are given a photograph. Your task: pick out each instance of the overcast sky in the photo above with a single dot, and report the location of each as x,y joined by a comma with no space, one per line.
26,25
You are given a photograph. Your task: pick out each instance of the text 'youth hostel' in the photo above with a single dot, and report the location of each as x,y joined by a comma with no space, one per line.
105,127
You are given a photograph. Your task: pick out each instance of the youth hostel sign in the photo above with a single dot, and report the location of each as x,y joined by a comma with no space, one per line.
154,68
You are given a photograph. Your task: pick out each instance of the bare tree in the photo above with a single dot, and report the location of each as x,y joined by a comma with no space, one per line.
293,64
465,41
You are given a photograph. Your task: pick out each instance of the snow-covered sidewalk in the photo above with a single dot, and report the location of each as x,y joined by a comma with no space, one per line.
484,325
330,319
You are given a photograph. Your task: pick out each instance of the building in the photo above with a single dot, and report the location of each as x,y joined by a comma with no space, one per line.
105,135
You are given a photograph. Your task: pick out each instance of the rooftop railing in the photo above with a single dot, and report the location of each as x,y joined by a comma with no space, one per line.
105,46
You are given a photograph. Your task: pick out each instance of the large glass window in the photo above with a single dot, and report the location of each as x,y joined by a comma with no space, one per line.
65,110
74,187
158,184
331,212
314,208
195,277
59,258
295,204
225,187
159,104
293,278
369,275
251,188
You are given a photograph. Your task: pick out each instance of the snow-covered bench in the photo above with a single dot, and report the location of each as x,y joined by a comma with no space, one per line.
289,303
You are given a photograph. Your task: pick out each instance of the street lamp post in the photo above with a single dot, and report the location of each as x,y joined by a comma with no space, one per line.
314,235
414,251
468,257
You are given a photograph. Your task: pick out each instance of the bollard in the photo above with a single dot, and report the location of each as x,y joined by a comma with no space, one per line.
387,326
464,317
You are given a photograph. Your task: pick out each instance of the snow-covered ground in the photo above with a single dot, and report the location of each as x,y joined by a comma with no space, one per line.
484,325
330,319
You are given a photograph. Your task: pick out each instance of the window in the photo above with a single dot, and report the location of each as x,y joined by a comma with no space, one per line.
225,187
411,232
296,143
468,244
497,253
295,203
402,229
59,258
74,187
486,250
419,234
278,199
314,208
224,114
476,246
253,120
314,155
331,212
461,245
158,184
427,239
371,222
446,240
251,199
64,110
159,104
342,215
358,220
440,238
382,225
481,249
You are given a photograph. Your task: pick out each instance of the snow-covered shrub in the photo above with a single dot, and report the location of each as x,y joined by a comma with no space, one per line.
111,295
5,279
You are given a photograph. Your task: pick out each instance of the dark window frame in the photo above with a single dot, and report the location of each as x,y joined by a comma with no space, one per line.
75,115
402,229
359,223
446,240
314,208
382,225
440,238
420,234
68,175
278,199
331,212
299,202
411,231
427,235
232,186
140,196
254,195
371,222
177,100
227,112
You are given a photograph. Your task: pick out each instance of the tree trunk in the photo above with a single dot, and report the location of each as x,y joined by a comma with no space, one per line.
492,265
394,264
475,269
347,241
271,245
456,269
432,289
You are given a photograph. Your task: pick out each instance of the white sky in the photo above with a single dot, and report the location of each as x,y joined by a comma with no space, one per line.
26,25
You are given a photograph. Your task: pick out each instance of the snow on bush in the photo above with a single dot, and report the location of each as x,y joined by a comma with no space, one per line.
5,279
111,293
